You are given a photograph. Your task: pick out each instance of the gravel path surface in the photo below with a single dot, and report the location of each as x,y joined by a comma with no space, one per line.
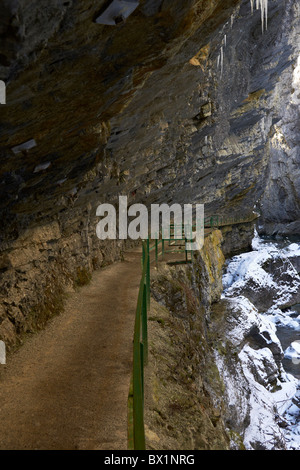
66,388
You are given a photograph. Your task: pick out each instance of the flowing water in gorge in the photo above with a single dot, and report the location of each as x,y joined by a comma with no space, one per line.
268,277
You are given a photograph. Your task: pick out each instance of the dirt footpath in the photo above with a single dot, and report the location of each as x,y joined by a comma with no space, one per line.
66,388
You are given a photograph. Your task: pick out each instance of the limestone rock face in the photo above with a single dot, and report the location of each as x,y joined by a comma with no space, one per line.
179,103
184,405
280,202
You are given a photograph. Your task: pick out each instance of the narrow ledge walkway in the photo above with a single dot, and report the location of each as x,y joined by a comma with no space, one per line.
66,388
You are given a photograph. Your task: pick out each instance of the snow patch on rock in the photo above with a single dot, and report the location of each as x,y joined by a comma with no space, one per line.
262,399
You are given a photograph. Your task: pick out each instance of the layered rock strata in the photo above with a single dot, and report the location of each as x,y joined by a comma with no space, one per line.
177,104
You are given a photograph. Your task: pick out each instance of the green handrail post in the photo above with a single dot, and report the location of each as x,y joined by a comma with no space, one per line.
142,371
138,411
136,428
143,255
148,272
144,325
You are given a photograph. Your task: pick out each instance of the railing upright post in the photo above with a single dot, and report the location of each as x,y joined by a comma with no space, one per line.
145,326
143,255
142,350
148,273
138,409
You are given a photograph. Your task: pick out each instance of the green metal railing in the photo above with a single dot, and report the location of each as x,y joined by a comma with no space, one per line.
160,246
163,246
136,430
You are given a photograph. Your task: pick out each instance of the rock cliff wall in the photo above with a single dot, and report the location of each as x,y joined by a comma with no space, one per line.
215,379
178,104
184,408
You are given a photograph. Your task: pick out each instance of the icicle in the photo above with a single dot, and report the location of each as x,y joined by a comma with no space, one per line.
263,6
265,2
222,60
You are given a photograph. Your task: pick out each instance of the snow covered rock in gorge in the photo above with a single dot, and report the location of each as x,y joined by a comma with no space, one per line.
267,276
257,390
258,358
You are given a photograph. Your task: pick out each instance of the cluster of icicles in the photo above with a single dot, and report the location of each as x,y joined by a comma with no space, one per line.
263,6
260,4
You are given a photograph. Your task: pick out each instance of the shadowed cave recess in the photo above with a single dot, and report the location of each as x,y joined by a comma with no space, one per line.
191,101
